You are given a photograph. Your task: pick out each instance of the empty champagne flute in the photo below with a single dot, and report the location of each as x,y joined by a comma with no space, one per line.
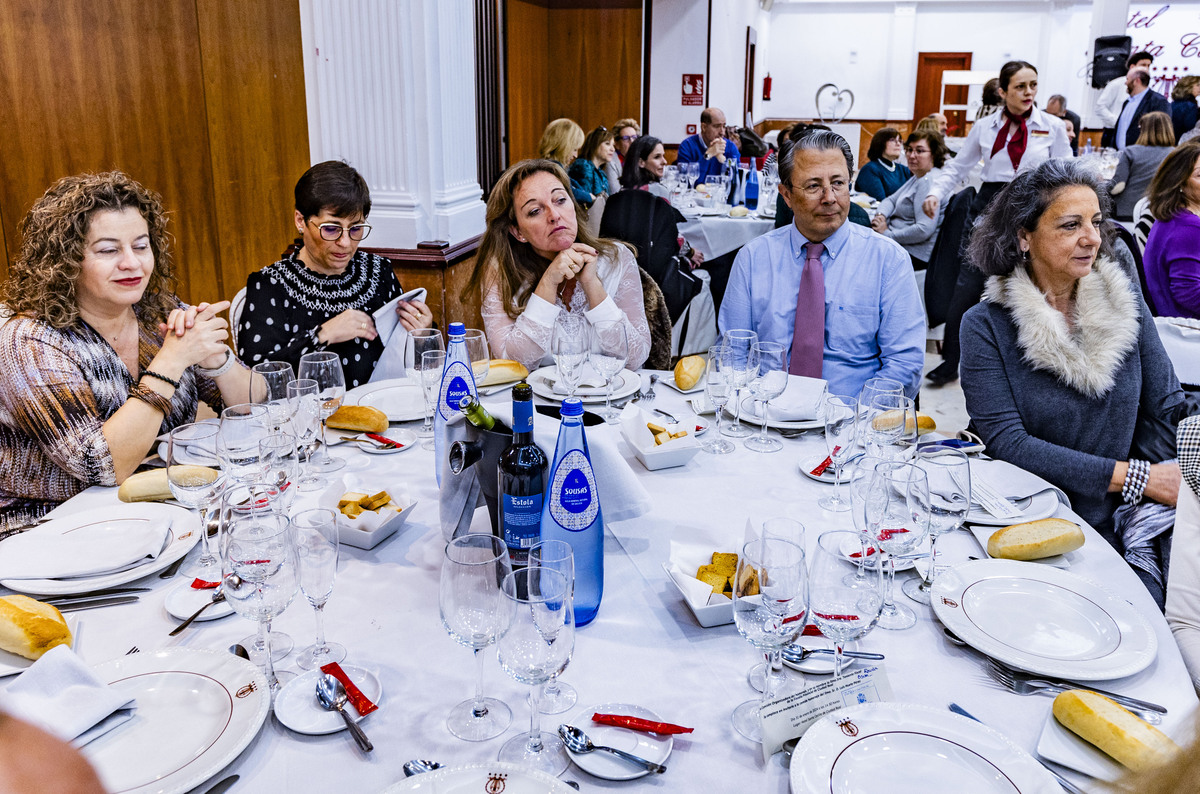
718,384
860,485
280,462
306,421
326,369
743,365
241,502
430,368
557,697
477,352
535,645
840,413
242,428
268,386
897,514
841,608
571,347
316,536
610,349
196,487
770,381
473,612
949,474
770,603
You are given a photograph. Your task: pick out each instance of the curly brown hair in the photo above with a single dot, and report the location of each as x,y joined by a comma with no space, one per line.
41,284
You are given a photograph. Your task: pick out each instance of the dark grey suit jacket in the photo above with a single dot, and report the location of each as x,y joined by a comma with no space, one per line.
1153,101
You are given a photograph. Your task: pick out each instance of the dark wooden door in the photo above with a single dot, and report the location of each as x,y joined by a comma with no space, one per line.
930,66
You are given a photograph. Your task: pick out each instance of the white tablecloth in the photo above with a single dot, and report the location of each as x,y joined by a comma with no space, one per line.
644,646
716,235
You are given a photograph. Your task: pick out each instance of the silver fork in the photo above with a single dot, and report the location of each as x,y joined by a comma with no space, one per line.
646,396
1023,684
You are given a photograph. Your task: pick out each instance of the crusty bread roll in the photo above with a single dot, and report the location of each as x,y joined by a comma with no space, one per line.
152,485
688,371
1130,740
1035,540
503,370
739,212
29,628
891,419
359,418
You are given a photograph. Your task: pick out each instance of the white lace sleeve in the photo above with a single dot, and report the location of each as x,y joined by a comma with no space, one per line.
525,339
624,287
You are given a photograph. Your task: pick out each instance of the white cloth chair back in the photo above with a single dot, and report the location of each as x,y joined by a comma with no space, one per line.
696,329
1181,339
235,315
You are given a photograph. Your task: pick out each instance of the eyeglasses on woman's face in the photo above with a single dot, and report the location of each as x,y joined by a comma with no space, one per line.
332,232
911,150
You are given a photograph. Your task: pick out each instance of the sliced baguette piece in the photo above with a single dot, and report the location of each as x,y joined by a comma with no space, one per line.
1035,540
29,628
1128,739
503,370
889,420
153,486
359,418
688,371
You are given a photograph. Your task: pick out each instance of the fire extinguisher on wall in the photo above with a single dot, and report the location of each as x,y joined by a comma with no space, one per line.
767,87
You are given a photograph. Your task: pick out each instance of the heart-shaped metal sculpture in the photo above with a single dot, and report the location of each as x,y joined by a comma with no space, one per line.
840,96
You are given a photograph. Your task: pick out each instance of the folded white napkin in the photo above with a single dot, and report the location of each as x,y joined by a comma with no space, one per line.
800,401
591,382
1011,481
102,546
60,694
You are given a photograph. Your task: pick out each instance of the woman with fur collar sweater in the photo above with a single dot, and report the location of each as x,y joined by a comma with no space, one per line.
1061,362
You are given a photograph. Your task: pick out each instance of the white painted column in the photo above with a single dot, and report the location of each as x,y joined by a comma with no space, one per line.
390,89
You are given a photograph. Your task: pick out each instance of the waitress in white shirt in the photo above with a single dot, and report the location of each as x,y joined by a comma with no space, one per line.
1014,138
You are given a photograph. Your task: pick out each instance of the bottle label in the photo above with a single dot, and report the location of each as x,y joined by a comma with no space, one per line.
573,502
457,382
522,416
522,517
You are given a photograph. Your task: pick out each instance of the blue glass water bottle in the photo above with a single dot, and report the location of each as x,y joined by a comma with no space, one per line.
752,187
572,511
458,381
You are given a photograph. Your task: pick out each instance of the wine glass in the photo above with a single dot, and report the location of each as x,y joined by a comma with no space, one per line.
473,613
306,420
418,342
268,386
788,529
242,428
326,369
557,697
610,349
897,515
261,575
768,383
860,484
431,366
280,463
842,609
196,487
870,390
535,645
949,474
892,427
316,536
571,347
840,413
770,602
743,365
718,383
477,353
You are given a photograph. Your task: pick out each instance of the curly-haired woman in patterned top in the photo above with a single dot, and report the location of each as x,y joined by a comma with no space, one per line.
322,296
99,356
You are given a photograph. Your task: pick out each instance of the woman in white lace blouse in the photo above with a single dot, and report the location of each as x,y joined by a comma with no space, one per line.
535,261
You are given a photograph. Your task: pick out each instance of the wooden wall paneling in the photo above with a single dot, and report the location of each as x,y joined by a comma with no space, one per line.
527,78
597,61
88,86
257,129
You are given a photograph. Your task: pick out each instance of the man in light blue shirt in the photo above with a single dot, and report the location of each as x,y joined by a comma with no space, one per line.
874,323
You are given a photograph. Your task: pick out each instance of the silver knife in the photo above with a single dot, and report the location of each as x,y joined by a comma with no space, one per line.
490,390
96,603
223,786
1124,700
1067,785
794,656
106,592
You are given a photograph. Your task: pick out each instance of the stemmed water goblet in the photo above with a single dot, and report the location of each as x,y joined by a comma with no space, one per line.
280,461
326,369
557,697
870,390
610,350
306,421
419,342
840,413
571,347
892,427
473,611
743,365
477,353
788,529
897,516
718,383
430,369
315,533
537,639
841,607
770,602
769,382
196,487
242,428
268,386
949,474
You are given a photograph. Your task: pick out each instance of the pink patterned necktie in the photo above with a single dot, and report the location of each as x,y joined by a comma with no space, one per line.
808,337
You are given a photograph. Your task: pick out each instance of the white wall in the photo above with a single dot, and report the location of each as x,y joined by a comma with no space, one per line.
679,36
727,80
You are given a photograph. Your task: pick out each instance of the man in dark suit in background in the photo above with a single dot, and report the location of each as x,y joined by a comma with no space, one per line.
1142,100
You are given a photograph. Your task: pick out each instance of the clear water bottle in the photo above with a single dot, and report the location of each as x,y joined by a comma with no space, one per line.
458,381
752,187
572,510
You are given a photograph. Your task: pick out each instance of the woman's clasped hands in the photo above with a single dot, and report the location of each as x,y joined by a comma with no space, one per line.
196,335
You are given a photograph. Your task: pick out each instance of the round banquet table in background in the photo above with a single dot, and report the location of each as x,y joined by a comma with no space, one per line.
717,235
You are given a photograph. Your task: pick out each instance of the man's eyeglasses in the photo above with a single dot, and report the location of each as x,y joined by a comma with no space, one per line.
332,232
815,190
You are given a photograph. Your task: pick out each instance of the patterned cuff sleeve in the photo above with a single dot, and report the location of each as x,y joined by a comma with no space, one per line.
314,338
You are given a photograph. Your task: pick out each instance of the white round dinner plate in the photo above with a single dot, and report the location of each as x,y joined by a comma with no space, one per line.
183,534
774,424
624,383
650,746
400,398
852,549
183,601
904,748
196,711
821,663
495,776
406,438
1033,508
297,708
1044,620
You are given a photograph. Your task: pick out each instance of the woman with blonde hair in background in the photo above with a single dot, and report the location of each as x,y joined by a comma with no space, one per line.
1137,164
560,142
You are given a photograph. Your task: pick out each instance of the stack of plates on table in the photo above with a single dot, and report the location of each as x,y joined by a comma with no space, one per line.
196,711
400,398
194,454
471,778
79,552
591,386
1044,620
899,748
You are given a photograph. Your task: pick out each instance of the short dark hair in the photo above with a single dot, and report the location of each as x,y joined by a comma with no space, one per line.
1011,68
333,185
1060,99
1140,55
812,138
937,145
1020,205
880,140
991,92
634,175
1142,76
1166,188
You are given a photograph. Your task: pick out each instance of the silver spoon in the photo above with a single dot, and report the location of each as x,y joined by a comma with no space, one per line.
332,697
239,651
218,597
578,742
418,766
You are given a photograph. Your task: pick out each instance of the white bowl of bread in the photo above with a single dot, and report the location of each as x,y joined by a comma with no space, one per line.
657,443
370,509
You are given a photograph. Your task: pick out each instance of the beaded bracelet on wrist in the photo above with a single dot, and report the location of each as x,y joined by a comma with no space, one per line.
152,398
1137,476
151,373
218,371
